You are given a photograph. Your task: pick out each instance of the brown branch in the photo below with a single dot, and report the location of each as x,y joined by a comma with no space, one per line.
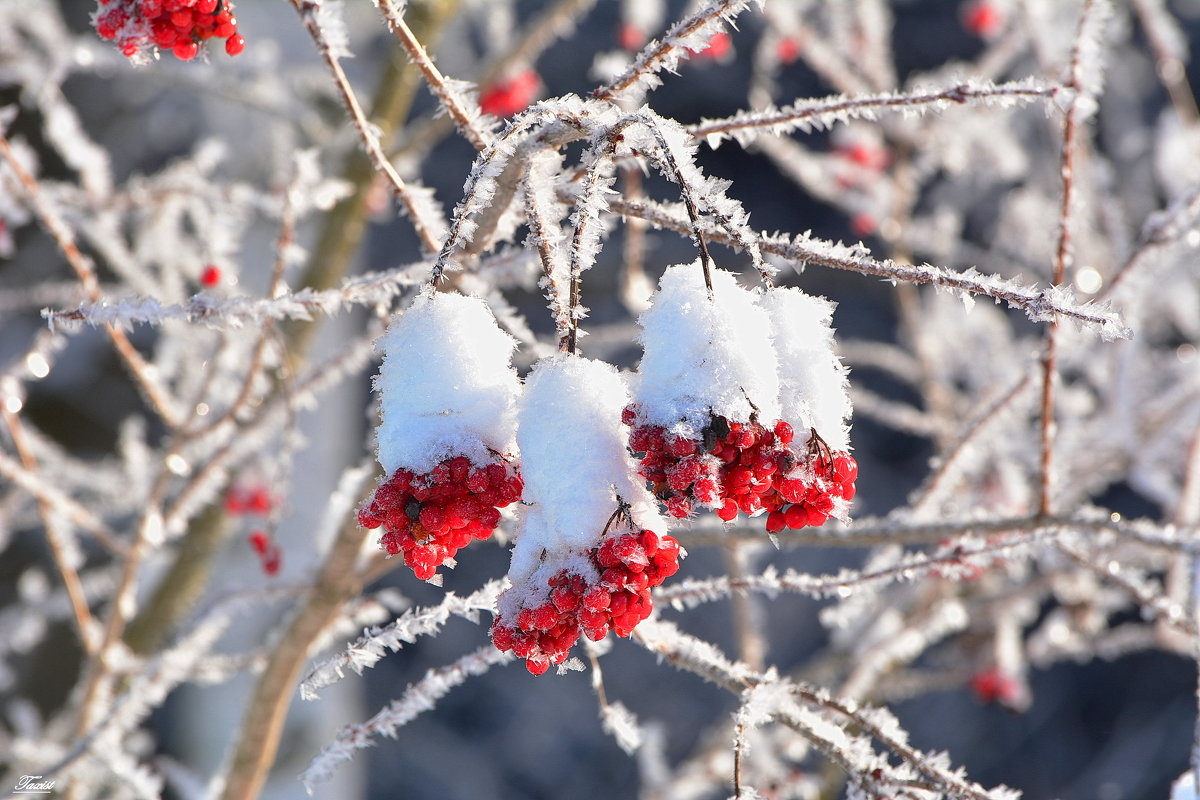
55,538
433,77
307,11
262,724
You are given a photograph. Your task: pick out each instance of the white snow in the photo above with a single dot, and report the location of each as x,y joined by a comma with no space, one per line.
813,384
705,354
575,465
446,385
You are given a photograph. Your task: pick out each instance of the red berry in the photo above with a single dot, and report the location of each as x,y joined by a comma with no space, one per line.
259,541
718,46
982,18
502,636
788,50
185,50
597,598
211,276
507,97
631,38
235,44
679,507
796,517
728,511
993,685
433,519
259,501
705,490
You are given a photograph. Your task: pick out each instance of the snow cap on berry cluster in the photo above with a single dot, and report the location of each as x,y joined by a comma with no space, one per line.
705,354
575,464
813,383
446,385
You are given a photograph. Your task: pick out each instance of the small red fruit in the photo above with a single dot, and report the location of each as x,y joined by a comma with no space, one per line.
211,276
185,49
982,18
718,46
788,50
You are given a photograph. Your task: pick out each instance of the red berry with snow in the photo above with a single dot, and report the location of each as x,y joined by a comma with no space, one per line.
430,517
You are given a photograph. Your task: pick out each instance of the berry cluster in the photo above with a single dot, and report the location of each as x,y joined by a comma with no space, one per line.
430,517
180,26
743,466
629,566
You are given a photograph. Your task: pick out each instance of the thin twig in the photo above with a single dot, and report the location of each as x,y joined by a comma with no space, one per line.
417,54
1038,304
55,538
307,10
819,113
1062,259
660,55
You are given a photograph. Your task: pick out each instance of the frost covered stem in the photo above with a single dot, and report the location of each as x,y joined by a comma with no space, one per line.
540,228
86,273
659,55
307,10
739,737
262,725
55,539
838,107
437,82
1062,259
1037,304
1187,512
705,258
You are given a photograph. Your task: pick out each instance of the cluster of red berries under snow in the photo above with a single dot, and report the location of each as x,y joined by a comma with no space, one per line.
448,416
180,26
745,467
739,405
